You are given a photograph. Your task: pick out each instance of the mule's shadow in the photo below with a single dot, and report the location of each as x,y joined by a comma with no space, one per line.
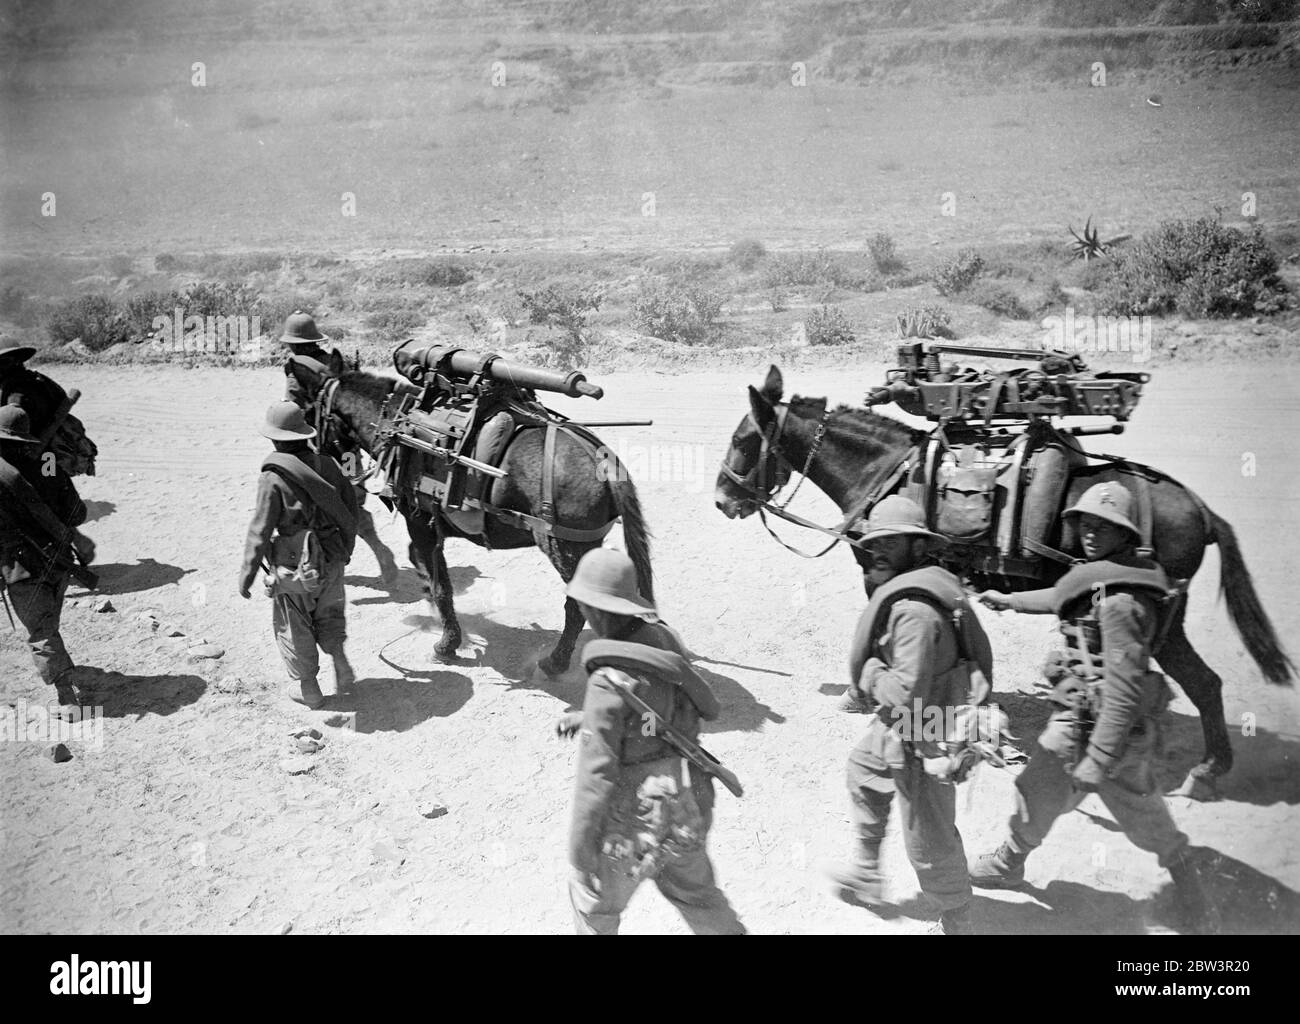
1249,903
146,574
121,695
1263,772
409,587
513,652
400,703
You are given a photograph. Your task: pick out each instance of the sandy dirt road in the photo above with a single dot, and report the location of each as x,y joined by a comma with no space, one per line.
183,821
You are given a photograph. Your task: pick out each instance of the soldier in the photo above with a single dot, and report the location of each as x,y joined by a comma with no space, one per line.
911,658
303,338
303,532
47,406
39,515
643,803
1106,735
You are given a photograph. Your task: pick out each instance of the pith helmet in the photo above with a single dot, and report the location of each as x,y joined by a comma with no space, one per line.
1111,502
20,353
15,425
286,422
894,515
300,329
606,579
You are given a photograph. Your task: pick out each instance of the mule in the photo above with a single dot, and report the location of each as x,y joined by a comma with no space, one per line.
857,450
589,493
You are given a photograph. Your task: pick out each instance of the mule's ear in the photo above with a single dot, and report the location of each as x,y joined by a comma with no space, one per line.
337,363
773,386
762,408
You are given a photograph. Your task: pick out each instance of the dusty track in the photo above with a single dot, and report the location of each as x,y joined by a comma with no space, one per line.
183,821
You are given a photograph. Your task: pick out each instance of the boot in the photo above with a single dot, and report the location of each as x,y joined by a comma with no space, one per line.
957,922
307,693
859,880
1002,869
1200,917
66,695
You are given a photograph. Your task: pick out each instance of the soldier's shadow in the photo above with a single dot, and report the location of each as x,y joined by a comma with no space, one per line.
1263,772
399,703
1249,902
121,695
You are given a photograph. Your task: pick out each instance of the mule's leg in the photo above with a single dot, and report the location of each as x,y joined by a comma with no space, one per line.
366,531
428,557
1204,688
564,555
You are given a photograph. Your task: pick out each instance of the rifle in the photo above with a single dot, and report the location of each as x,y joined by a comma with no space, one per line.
689,749
55,559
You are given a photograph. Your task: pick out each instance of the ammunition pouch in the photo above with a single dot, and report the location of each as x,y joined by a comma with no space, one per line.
654,818
297,564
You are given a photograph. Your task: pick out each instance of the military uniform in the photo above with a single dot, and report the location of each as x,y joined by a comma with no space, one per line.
39,515
1105,735
46,405
302,621
640,808
913,662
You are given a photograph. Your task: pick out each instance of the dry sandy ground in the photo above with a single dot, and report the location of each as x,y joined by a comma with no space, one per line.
183,820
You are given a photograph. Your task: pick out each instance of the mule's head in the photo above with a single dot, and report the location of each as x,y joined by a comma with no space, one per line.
313,379
751,470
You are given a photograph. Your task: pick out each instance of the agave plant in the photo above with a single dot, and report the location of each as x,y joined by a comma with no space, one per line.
1089,245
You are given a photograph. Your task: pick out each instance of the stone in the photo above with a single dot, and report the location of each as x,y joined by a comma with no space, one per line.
229,684
306,730
206,651
60,753
102,604
430,809
297,765
342,720
148,619
286,928
308,745
173,631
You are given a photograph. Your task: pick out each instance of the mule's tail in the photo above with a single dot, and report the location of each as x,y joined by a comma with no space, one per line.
636,535
1247,614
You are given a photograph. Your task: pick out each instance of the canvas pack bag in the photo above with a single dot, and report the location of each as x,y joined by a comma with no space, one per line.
966,501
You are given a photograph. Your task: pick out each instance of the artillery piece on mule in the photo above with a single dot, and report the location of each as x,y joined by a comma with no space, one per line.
997,493
467,450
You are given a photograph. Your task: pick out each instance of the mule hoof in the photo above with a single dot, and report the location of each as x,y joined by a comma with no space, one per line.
552,667
446,649
1200,786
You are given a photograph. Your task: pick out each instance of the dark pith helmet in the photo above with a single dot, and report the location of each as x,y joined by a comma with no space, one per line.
18,353
300,329
286,422
606,579
15,425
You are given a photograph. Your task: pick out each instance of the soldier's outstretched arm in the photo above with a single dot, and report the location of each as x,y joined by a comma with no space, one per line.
600,751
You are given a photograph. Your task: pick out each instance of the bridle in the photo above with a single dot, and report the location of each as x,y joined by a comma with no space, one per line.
771,472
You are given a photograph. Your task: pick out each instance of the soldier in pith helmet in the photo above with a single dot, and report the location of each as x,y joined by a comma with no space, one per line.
1113,611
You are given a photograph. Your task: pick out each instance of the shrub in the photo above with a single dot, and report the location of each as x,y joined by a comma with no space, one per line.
829,326
395,321
746,253
924,322
207,298
142,309
997,299
1197,268
884,255
565,306
957,273
441,274
817,268
95,319
677,312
